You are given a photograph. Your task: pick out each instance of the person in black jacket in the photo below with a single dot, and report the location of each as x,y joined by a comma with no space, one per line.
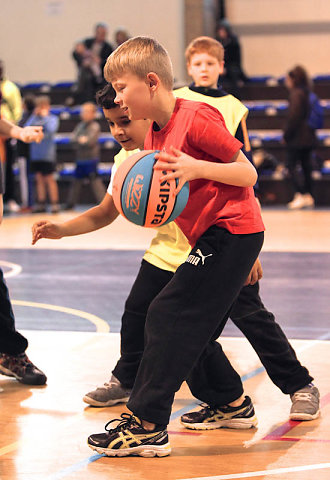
90,56
13,360
299,137
234,76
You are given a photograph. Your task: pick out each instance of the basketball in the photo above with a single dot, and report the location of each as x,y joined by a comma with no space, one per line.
141,197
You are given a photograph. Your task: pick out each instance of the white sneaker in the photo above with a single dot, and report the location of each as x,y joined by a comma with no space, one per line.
13,206
309,200
301,201
297,202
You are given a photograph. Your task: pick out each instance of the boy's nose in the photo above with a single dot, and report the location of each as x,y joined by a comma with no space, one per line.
118,131
117,99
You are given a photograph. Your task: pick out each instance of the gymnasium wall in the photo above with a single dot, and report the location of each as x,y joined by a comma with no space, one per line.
277,34
37,36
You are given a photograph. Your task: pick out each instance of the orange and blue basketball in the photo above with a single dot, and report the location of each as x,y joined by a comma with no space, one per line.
141,197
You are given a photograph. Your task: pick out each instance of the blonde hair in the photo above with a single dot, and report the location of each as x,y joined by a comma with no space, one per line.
140,56
205,45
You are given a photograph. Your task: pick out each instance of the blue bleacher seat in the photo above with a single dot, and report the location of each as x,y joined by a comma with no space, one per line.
260,78
58,110
106,140
321,78
277,137
281,79
42,86
62,139
259,107
63,84
75,110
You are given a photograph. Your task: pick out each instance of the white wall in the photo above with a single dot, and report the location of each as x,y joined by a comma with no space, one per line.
37,36
277,52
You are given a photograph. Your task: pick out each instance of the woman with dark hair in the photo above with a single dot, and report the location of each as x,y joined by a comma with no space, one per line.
299,137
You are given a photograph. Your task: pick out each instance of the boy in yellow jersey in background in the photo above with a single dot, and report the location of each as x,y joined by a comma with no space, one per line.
205,63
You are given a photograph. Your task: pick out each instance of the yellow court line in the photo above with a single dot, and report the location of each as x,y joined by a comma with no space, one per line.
101,325
9,448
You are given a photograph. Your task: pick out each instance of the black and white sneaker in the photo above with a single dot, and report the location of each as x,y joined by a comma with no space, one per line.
21,367
130,438
209,418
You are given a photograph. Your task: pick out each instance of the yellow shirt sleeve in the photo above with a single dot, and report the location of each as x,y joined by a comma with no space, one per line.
169,247
11,107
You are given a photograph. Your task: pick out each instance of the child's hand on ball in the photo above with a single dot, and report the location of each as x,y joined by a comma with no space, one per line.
179,165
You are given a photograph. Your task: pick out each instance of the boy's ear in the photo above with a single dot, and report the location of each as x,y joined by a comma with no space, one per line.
153,80
222,66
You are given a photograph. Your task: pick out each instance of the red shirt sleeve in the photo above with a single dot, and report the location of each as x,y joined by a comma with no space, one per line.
209,134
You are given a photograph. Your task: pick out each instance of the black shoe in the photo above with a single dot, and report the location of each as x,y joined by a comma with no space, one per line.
20,367
69,206
39,208
55,208
209,418
130,438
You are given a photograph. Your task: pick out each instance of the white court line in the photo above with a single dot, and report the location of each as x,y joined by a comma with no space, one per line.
312,343
15,269
302,468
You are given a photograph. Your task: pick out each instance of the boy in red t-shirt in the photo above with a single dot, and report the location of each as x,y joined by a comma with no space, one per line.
223,225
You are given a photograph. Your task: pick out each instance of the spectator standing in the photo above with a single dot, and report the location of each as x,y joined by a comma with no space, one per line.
23,157
121,35
86,141
90,56
234,76
43,155
11,110
300,138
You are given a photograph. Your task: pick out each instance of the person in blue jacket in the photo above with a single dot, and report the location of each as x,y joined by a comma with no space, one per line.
43,156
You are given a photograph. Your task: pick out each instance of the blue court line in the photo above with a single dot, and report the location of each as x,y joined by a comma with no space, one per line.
80,465
74,468
84,463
